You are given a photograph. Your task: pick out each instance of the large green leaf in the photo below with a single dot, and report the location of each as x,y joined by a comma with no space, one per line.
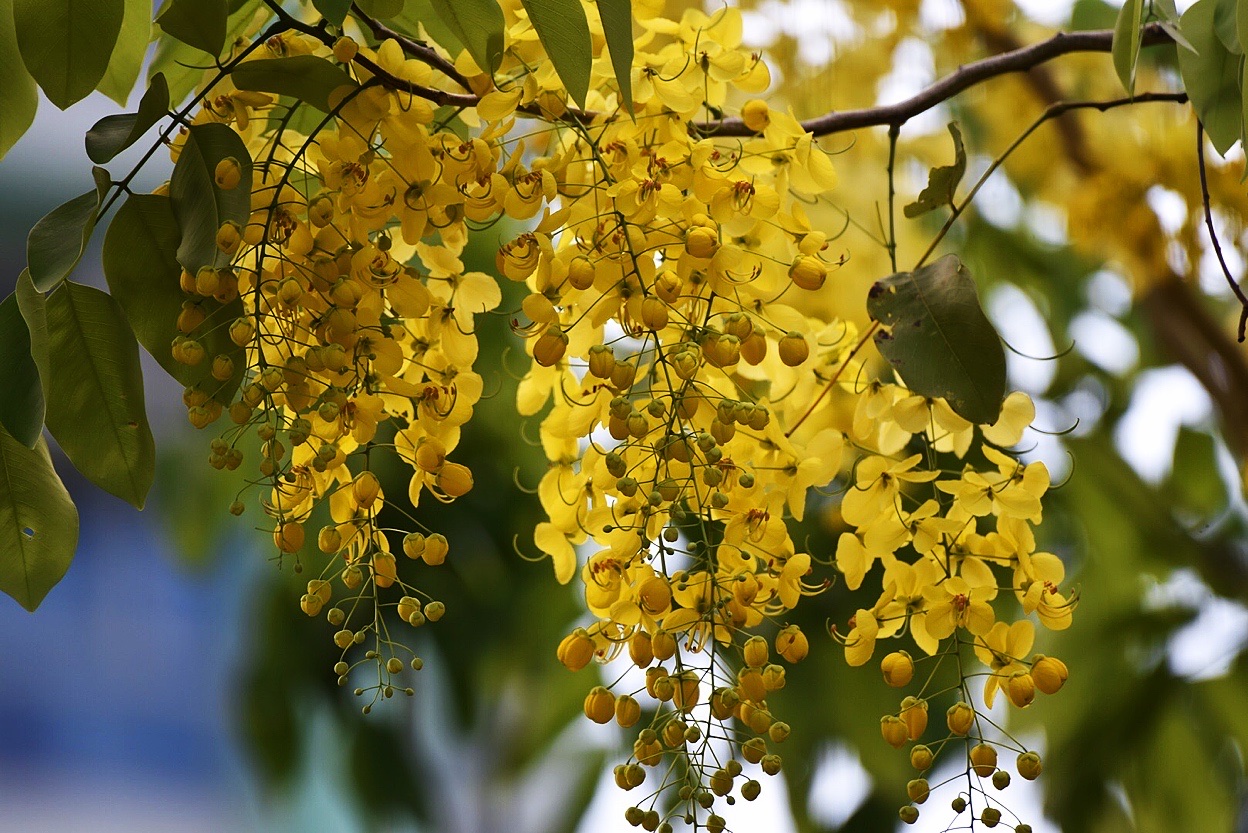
34,309
564,32
19,95
1126,44
617,27
57,242
127,58
95,395
197,23
66,44
939,339
183,65
478,24
141,266
200,206
417,13
21,406
382,9
113,134
305,77
1211,75
335,11
942,182
38,522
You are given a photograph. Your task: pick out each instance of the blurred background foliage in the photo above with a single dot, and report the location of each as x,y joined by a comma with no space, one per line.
1089,249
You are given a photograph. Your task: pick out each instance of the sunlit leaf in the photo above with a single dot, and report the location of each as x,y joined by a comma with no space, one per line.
564,32
199,204
1126,44
1211,76
38,522
113,134
127,59
382,9
617,27
305,77
478,24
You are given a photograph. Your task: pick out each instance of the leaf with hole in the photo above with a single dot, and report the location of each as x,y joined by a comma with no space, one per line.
38,522
199,204
197,23
305,77
939,339
66,44
113,134
95,395
478,24
942,182
564,32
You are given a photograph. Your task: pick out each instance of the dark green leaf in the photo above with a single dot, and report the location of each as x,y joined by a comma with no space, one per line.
19,95
141,266
382,9
38,522
939,339
34,309
335,11
113,134
95,395
197,23
1211,76
942,182
417,13
57,242
127,59
21,406
564,32
200,206
478,24
617,26
183,66
1126,45
305,77
66,44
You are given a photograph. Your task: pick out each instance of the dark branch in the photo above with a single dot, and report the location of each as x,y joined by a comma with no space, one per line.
1213,235
419,50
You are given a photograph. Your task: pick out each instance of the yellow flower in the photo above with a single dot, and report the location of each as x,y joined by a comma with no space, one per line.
1002,649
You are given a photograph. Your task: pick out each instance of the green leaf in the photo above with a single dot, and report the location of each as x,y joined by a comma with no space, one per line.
617,26
478,24
95,395
197,23
1226,26
113,134
19,95
127,58
21,407
200,206
57,242
942,182
1211,75
335,11
1194,485
34,309
1126,45
382,9
66,44
417,13
564,32
939,339
142,269
38,522
305,77
184,66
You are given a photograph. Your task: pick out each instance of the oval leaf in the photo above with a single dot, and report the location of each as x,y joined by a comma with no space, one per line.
478,24
335,11
127,58
939,339
564,32
1126,44
183,66
34,309
141,265
95,395
304,77
57,242
200,206
113,134
19,95
38,522
197,23
1211,76
617,27
21,407
66,44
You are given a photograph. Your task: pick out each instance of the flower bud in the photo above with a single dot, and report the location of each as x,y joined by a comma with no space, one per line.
576,650
601,361
581,273
918,790
792,644
908,814
436,548
289,537
599,705
654,313
990,816
914,715
1021,689
364,489
1049,673
921,758
454,480
756,115
1029,765
413,545
894,731
808,272
550,346
701,242
627,711
983,759
755,652
960,718
227,174
345,49
898,669
793,349
639,649
1000,779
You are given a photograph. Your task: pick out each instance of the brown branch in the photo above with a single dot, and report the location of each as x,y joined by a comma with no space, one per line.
1213,235
419,50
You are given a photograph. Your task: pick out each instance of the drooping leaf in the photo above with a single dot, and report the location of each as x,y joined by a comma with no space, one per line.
34,309
57,242
66,44
1168,18
183,66
564,32
335,11
1211,76
942,182
19,95
478,24
142,269
95,395
939,339
38,522
1126,44
197,23
382,9
617,27
305,77
113,134
200,206
127,59
21,406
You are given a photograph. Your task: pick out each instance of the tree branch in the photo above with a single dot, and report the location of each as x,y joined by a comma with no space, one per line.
419,50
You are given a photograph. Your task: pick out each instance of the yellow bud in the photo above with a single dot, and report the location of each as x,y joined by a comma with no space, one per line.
627,711
687,692
289,537
599,705
701,242
808,272
898,669
601,361
908,814
385,570
668,286
754,349
663,645
576,650
581,273
722,350
894,731
1029,766
435,611
310,604
623,375
654,313
960,718
241,331
228,174
550,346
229,237
364,489
222,368
430,454
792,644
436,548
921,758
918,790
345,49
914,715
407,607
190,317
413,544
1049,673
753,750
751,684
320,588
1021,689
756,114
794,349
755,652
639,649
328,540
454,480
983,759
